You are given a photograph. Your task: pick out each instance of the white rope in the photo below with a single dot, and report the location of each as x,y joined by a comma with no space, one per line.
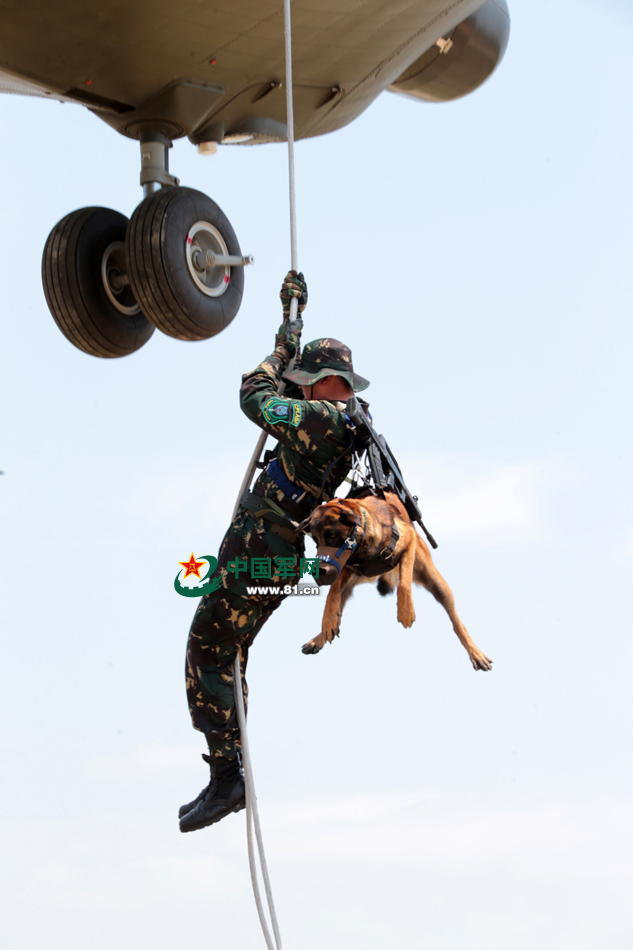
290,122
252,813
252,818
252,465
294,303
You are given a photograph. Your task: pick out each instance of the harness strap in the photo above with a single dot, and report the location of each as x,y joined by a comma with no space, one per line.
269,454
350,544
383,561
329,560
328,471
387,553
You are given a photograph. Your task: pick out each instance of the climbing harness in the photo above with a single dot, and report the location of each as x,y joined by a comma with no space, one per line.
245,497
285,515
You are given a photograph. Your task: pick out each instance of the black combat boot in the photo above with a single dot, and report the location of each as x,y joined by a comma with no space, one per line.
224,793
184,809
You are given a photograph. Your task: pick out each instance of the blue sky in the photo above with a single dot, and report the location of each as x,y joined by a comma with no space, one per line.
476,257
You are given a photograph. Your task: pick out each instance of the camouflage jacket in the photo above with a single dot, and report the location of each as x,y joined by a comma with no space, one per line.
311,433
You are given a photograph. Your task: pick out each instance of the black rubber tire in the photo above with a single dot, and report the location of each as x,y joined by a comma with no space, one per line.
158,270
74,289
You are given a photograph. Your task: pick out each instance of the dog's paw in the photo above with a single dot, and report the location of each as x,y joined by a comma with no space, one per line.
480,661
317,643
313,646
406,614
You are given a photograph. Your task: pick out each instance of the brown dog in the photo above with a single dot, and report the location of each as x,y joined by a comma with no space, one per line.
371,520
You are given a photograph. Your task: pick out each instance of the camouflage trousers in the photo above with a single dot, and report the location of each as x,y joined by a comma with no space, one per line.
226,623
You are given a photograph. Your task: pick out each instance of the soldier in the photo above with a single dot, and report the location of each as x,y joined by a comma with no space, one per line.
311,460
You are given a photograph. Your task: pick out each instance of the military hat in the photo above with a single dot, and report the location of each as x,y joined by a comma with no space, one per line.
326,357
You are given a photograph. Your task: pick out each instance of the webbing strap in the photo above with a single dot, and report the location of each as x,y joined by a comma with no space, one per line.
266,508
280,478
328,471
387,553
329,560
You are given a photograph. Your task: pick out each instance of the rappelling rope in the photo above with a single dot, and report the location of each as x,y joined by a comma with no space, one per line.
294,303
252,814
252,818
290,122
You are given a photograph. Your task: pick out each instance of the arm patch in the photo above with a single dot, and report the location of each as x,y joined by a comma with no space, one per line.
277,410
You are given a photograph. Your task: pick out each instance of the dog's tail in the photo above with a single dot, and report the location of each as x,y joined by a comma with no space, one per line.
387,583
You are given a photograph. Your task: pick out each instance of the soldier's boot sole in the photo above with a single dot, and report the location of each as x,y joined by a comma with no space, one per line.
206,823
185,809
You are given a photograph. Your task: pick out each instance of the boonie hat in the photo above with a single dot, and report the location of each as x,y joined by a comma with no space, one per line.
326,357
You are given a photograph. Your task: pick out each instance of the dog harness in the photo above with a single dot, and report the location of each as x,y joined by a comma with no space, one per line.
382,563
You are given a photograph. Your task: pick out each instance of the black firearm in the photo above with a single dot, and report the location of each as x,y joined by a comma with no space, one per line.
383,466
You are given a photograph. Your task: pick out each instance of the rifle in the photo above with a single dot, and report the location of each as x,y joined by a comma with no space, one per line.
385,471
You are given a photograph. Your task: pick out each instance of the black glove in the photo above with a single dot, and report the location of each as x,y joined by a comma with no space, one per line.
294,285
293,391
288,336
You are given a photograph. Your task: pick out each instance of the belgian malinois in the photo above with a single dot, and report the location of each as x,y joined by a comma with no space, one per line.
393,557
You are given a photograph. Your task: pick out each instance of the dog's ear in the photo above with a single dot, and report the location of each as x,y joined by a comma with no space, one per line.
349,520
305,525
349,514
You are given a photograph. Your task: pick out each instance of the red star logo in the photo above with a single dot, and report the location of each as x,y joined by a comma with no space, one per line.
192,567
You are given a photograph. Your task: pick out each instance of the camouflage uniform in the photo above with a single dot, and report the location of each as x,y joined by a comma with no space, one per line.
311,434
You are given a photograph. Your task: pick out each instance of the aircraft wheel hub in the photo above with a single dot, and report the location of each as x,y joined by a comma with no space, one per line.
115,280
211,280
